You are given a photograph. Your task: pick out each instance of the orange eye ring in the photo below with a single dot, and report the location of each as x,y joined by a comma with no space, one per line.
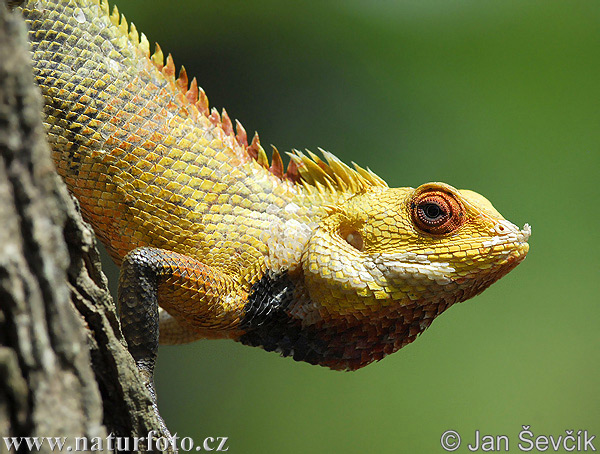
437,212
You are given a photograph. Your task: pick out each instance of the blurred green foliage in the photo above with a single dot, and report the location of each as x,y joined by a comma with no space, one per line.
501,97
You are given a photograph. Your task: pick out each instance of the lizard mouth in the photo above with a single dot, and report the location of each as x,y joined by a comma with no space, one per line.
509,249
504,251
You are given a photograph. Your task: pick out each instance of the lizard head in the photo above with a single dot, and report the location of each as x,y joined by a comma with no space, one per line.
400,256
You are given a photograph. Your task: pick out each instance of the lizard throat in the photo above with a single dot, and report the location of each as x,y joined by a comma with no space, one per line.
277,319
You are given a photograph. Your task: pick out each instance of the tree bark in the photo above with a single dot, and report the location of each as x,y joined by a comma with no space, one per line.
64,367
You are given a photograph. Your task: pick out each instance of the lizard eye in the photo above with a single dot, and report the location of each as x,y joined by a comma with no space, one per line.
432,212
436,212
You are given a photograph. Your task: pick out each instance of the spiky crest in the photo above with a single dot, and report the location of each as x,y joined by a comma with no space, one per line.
305,169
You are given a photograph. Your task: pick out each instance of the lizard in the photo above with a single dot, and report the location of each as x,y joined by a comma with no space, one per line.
319,260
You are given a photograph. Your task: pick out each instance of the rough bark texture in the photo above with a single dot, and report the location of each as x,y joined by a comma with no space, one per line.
64,370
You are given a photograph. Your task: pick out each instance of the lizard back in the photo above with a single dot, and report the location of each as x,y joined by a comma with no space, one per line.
139,148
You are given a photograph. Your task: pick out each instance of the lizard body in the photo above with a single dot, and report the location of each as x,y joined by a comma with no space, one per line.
322,262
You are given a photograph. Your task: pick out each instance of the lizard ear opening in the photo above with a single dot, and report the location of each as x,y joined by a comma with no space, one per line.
352,237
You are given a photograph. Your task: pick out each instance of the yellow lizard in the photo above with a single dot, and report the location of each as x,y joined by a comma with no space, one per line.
322,262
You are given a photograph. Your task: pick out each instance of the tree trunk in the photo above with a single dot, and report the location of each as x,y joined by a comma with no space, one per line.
64,367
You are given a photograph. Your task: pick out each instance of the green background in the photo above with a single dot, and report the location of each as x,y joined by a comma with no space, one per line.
501,97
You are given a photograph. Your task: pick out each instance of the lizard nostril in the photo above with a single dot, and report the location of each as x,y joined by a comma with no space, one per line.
505,228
